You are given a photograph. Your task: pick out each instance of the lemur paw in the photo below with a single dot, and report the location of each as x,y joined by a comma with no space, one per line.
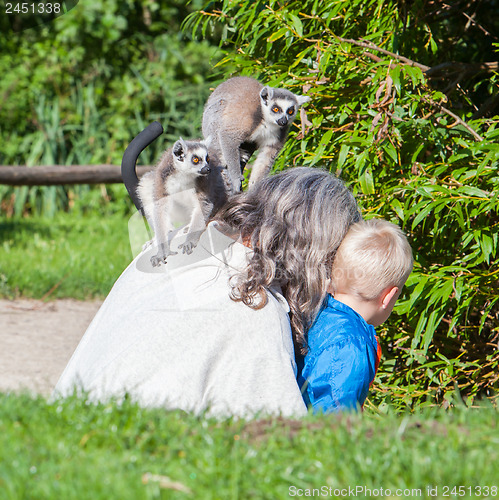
160,258
187,247
157,260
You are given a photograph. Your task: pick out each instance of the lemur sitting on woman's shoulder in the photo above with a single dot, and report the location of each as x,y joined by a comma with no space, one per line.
183,189
242,115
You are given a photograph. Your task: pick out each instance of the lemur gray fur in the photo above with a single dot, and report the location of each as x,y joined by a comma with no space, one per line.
241,116
184,188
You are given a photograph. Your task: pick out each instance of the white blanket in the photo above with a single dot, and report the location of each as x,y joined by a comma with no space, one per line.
172,337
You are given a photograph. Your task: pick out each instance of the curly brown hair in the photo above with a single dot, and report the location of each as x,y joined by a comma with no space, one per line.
294,222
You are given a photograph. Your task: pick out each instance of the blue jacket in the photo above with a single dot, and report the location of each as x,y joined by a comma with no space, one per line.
341,362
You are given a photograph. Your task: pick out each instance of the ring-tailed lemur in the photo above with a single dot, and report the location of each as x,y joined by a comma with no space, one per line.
182,189
242,115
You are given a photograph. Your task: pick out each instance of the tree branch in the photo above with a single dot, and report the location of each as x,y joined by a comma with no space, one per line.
479,26
432,71
453,115
466,69
370,45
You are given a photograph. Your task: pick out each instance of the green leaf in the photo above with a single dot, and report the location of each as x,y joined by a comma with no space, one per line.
278,34
395,76
431,325
418,290
473,191
422,214
487,246
415,74
367,181
299,57
416,153
365,174
343,155
398,208
389,148
297,24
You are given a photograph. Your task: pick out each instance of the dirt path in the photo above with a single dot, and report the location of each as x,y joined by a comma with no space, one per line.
37,339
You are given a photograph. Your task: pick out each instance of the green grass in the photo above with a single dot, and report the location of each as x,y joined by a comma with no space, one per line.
70,255
74,450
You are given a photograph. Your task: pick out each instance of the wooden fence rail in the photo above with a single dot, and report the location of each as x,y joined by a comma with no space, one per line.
64,174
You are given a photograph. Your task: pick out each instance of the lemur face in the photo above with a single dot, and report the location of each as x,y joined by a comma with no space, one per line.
191,158
282,112
280,106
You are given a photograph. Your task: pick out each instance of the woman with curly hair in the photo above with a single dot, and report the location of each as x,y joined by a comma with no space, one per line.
213,332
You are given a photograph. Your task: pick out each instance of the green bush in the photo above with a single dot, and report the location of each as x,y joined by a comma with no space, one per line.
403,109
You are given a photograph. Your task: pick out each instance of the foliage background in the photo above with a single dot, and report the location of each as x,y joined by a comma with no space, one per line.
403,108
78,89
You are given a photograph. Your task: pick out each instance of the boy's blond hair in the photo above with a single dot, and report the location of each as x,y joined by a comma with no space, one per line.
374,256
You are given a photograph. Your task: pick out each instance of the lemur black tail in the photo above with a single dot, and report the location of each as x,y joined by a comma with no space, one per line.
132,152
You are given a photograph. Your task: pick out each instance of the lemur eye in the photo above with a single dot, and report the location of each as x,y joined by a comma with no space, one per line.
207,159
291,110
195,160
275,109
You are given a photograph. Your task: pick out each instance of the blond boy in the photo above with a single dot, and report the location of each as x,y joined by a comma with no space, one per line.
369,270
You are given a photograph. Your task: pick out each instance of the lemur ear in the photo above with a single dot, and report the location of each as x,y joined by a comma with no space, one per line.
302,99
266,94
179,148
207,141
